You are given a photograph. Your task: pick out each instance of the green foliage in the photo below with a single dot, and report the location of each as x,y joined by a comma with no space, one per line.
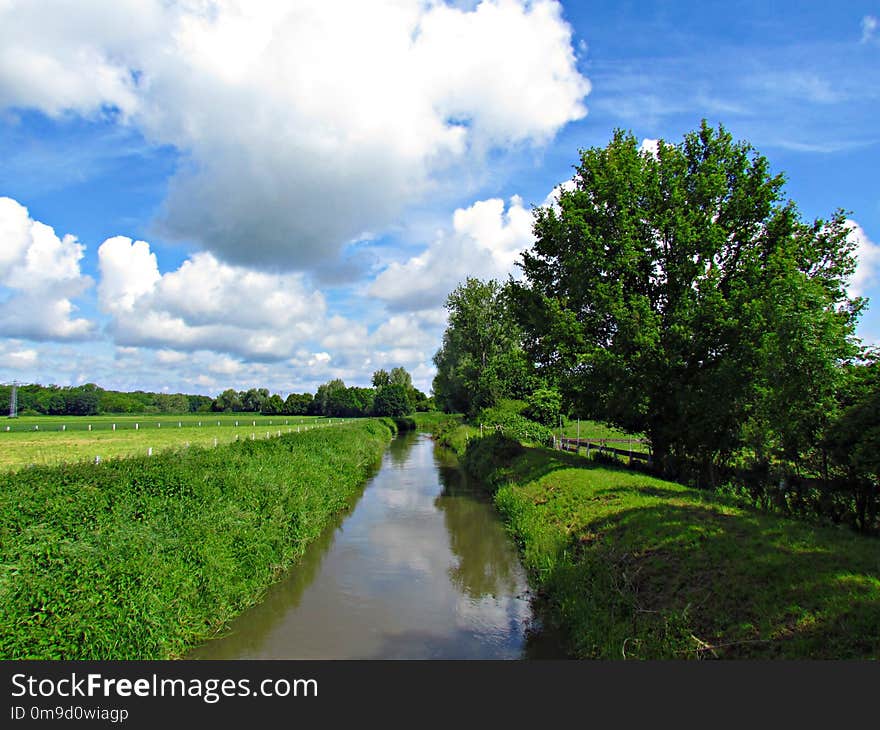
254,400
680,296
506,418
399,376
142,558
480,360
273,406
349,402
448,429
227,402
852,443
326,393
90,400
297,404
393,400
544,406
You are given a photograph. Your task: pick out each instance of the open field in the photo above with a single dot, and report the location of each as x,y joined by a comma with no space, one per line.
142,558
49,440
639,567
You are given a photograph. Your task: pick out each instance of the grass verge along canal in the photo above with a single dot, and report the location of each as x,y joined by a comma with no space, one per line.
142,558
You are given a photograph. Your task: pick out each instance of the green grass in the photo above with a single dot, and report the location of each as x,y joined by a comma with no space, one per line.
450,430
142,558
638,567
50,445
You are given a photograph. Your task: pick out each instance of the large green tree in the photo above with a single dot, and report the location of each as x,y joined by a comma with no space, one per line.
481,360
679,294
393,400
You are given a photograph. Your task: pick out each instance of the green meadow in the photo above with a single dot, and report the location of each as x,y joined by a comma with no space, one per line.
50,440
144,557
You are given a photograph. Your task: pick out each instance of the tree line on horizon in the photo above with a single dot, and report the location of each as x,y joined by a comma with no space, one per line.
392,394
678,294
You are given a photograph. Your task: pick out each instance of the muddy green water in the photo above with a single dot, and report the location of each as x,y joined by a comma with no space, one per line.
420,568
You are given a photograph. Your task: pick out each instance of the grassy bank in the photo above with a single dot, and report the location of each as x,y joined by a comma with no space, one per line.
637,567
142,558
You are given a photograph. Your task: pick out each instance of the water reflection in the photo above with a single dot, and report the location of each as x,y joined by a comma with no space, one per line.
421,568
486,565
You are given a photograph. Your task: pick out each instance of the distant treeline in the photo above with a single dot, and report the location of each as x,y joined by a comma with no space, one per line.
91,400
392,394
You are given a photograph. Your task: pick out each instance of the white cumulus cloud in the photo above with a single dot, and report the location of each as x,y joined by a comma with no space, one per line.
302,126
203,304
867,274
39,277
485,241
649,146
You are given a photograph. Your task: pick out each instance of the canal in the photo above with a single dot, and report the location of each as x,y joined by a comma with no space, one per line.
420,568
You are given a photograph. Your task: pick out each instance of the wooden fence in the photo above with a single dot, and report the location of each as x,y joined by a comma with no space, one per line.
601,446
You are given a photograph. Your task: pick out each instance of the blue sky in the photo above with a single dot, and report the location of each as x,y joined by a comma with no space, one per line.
202,195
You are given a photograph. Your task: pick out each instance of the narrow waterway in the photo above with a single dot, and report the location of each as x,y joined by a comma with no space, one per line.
420,568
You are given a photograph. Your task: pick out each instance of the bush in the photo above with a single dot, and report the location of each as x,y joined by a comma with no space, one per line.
543,406
507,419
